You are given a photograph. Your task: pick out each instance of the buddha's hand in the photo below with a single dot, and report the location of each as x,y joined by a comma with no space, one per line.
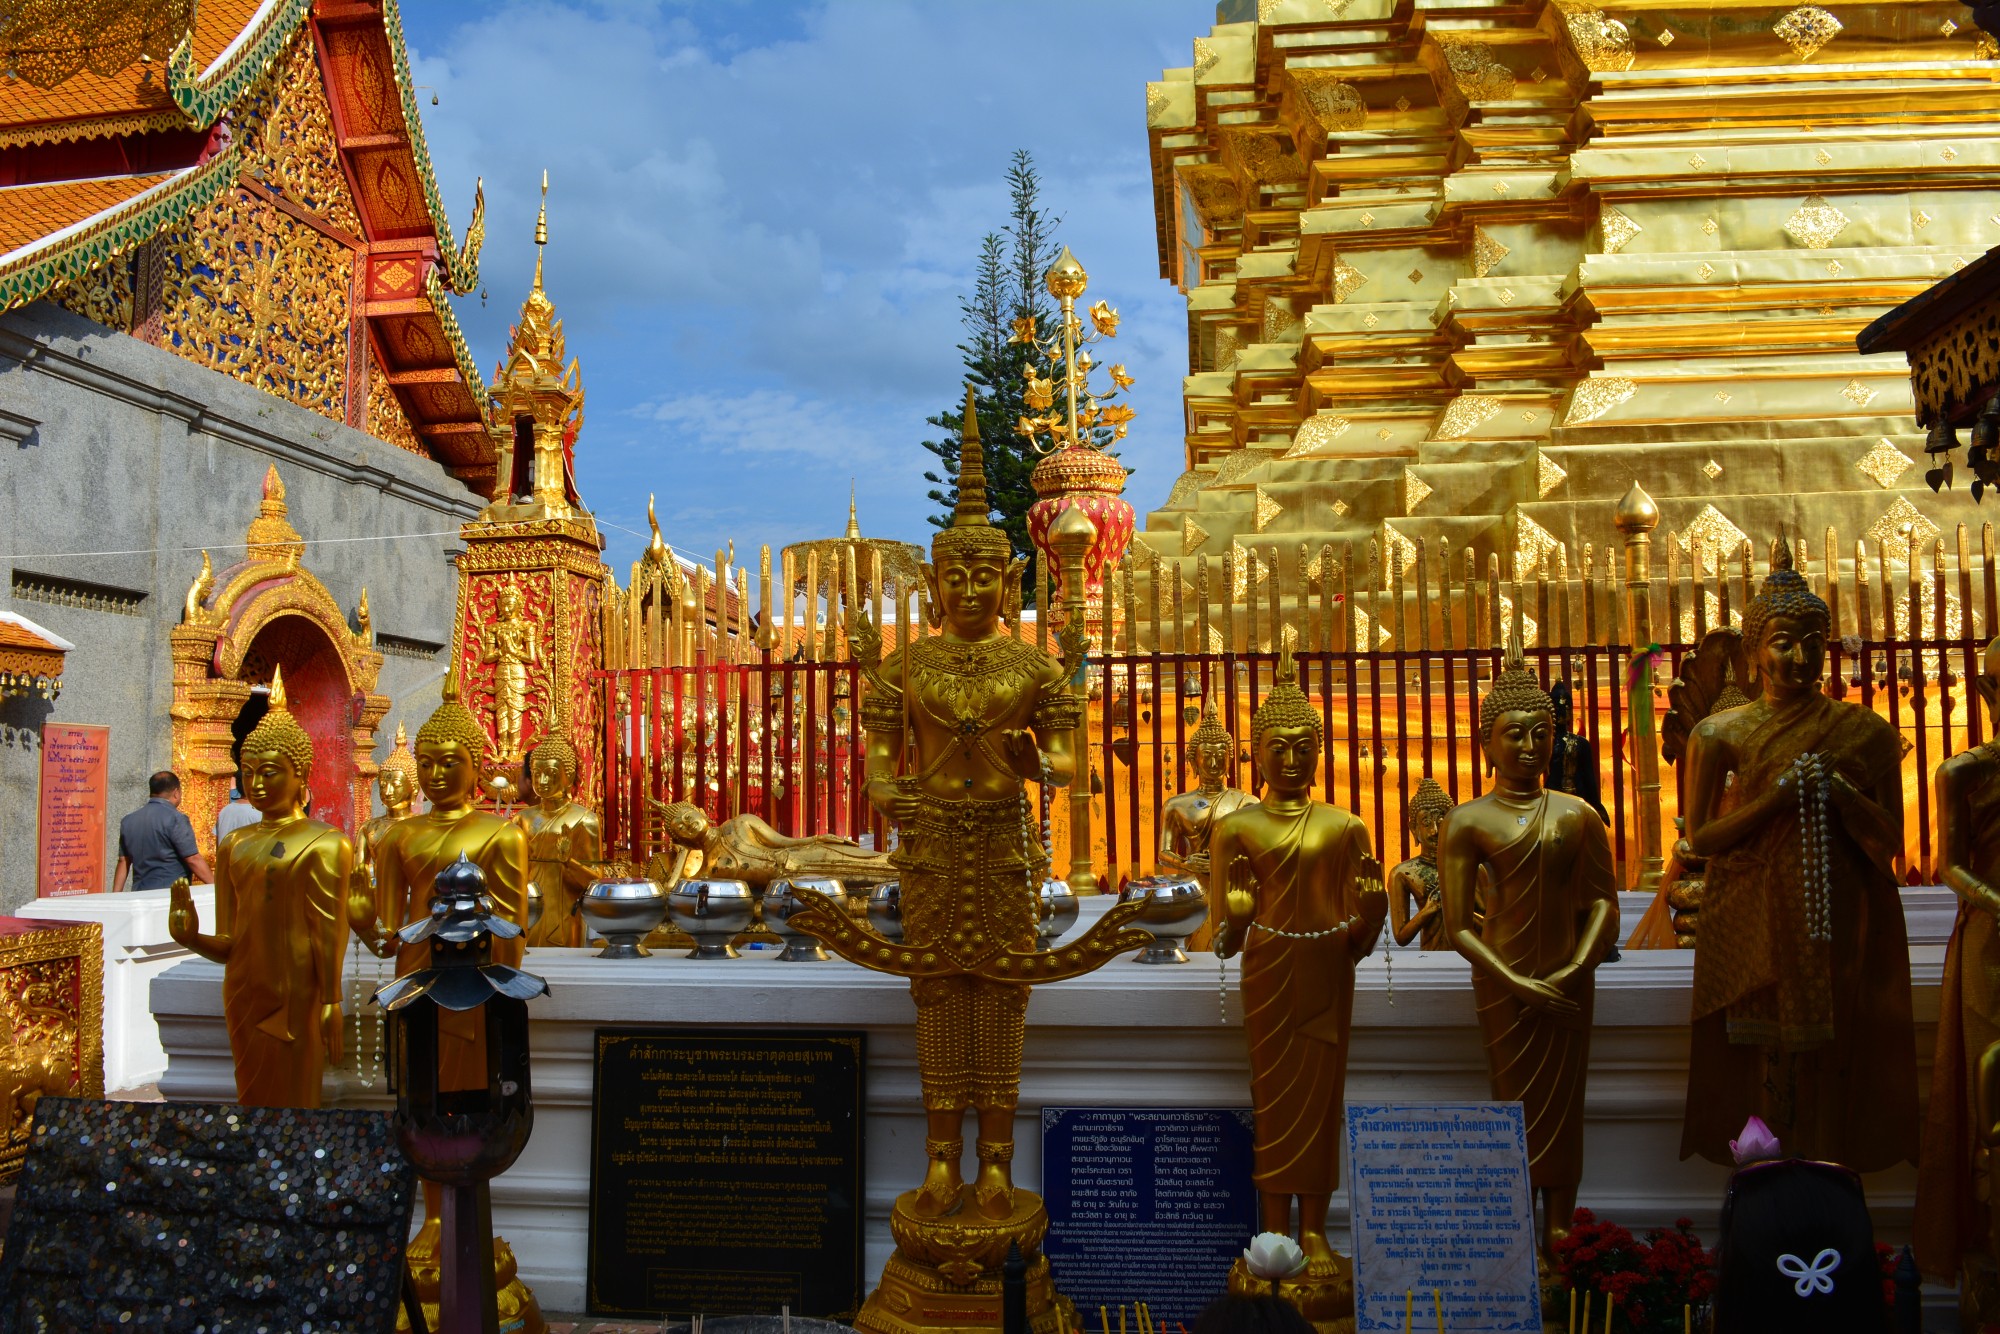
1023,752
1544,995
1240,902
329,1031
182,924
897,803
1373,898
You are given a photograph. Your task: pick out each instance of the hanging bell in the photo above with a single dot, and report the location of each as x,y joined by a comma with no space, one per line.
1942,440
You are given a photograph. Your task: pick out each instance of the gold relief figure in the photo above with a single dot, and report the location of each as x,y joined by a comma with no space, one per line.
1416,904
1952,1225
746,848
1187,821
1305,902
565,842
280,934
396,782
1801,1011
513,647
1550,915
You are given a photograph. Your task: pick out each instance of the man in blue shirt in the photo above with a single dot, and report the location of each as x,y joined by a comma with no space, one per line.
156,842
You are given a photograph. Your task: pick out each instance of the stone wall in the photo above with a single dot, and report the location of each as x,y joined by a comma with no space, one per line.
116,447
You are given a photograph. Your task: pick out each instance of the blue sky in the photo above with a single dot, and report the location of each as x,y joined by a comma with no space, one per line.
762,216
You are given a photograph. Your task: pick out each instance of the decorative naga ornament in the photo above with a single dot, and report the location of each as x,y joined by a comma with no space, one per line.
1075,471
531,581
958,723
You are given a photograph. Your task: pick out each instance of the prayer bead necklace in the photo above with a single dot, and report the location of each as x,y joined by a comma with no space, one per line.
1222,964
1815,786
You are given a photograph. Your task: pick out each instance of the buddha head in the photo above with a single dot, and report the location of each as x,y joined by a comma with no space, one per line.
450,747
1785,628
967,573
552,770
510,603
397,778
1285,732
1209,747
1517,726
684,822
277,758
1427,811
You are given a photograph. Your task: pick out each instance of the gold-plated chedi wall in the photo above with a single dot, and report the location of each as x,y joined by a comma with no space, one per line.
1461,274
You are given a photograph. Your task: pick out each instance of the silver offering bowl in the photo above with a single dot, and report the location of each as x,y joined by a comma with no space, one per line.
885,910
779,905
622,911
1059,910
713,912
1176,906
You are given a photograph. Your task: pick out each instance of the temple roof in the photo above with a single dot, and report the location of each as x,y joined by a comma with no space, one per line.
113,134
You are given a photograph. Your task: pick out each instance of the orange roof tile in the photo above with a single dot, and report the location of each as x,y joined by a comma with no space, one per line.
85,96
19,632
30,212
217,23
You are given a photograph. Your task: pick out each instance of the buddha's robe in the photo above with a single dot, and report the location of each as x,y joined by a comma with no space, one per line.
280,898
1814,1037
1950,1219
1538,894
1298,996
561,880
424,845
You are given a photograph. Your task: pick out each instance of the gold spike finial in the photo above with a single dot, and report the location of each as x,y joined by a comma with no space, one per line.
853,519
1781,553
656,546
1066,277
541,229
278,690
450,688
971,509
402,736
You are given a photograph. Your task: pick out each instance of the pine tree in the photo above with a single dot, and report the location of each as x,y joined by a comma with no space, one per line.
1007,287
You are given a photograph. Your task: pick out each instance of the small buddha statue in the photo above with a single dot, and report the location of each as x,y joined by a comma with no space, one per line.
1550,915
1801,1007
396,784
565,841
1304,903
1416,906
450,749
1952,1225
1187,820
745,847
1572,762
280,932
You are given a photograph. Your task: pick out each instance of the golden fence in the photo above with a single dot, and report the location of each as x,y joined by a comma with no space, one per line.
758,713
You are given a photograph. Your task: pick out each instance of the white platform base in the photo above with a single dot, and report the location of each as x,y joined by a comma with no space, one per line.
137,949
1128,1035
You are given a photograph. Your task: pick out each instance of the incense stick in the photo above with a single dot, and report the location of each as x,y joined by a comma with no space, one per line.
1437,1300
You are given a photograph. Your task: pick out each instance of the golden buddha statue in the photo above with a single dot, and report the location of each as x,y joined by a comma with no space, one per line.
280,933
451,746
957,724
745,847
1416,906
1305,902
512,647
1188,820
1801,1010
1550,907
396,782
1952,1226
565,842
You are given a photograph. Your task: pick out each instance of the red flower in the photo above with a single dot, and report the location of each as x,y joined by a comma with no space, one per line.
1652,1280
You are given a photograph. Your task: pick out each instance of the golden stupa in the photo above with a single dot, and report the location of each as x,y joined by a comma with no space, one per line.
1458,275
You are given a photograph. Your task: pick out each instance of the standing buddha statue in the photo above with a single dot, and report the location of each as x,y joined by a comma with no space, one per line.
1304,903
396,783
1416,907
512,648
1550,915
957,724
565,841
280,932
1187,821
1801,1010
1952,1224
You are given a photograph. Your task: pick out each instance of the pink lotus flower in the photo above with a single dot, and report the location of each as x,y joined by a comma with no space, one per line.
1755,1144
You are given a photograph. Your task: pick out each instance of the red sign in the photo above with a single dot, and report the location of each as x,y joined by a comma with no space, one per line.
76,770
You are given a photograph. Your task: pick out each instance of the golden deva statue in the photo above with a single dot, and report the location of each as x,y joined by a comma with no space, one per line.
1952,1225
1416,905
1187,821
280,933
1551,915
513,648
565,843
1305,902
746,848
396,781
957,724
1801,1010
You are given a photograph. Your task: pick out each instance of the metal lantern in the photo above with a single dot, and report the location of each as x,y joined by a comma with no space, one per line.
461,1139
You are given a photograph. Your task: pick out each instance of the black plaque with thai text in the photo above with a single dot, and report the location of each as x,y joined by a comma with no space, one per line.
725,1173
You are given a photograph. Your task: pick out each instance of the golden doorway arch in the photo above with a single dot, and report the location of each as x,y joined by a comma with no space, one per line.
268,611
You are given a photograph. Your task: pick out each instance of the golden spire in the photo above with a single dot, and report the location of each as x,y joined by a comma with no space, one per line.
970,512
541,229
853,520
277,689
656,546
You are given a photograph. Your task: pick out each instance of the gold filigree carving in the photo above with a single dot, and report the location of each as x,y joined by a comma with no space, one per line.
44,45
1548,475
1216,195
1340,508
1884,464
1185,487
1479,76
1618,230
1532,545
1347,280
1193,535
1898,524
287,130
1265,157
1487,252
1466,414
1717,535
1705,271
1395,547
1236,463
104,294
1806,29
1206,57
1335,104
1278,319
1595,397
1266,510
1303,11
386,419
1415,490
1317,432
1228,343
1857,393
1711,470
1815,223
